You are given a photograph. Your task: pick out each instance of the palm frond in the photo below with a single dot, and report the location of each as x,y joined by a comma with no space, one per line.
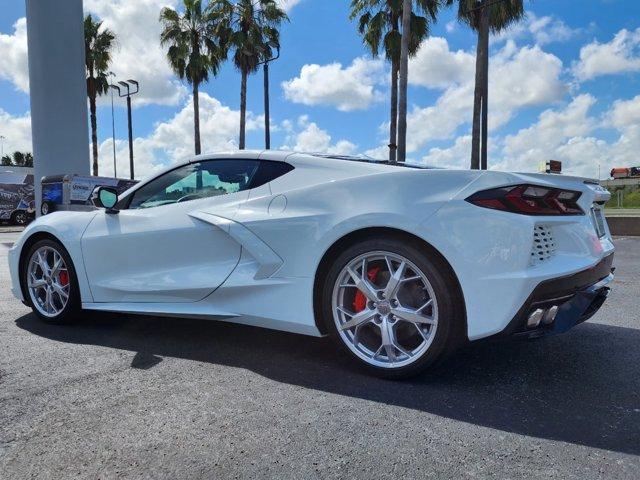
194,46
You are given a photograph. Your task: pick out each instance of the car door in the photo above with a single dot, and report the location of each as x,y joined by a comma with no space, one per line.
156,249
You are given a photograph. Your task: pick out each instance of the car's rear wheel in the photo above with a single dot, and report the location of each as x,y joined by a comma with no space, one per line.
392,306
50,283
46,208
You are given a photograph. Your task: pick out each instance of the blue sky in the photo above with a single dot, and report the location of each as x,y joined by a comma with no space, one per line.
564,84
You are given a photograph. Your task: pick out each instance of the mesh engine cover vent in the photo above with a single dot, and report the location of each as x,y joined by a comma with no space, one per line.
544,246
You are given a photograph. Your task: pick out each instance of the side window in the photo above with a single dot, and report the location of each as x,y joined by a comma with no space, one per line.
269,171
208,178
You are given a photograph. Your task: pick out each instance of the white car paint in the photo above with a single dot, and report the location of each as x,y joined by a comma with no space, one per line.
251,257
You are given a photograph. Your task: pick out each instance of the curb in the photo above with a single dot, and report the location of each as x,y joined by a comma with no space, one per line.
624,226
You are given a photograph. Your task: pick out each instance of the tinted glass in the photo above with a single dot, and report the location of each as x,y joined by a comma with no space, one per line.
269,171
196,180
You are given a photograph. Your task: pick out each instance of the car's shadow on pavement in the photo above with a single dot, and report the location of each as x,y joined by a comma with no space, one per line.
582,387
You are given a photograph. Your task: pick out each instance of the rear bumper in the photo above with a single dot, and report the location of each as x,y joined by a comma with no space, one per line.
577,298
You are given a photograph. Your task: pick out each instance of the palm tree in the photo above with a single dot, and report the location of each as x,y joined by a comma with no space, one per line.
485,17
407,7
193,51
379,25
98,43
249,29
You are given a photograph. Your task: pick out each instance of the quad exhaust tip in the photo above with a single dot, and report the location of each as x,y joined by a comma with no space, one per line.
545,316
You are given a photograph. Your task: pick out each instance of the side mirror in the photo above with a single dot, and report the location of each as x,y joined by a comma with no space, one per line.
105,197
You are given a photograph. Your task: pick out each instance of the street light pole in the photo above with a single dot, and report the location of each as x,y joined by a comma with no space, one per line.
113,129
267,114
267,121
129,93
2,137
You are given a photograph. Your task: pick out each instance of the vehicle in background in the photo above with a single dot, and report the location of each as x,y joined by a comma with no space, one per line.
17,200
625,172
73,192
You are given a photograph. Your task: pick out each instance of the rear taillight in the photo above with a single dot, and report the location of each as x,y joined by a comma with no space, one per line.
529,200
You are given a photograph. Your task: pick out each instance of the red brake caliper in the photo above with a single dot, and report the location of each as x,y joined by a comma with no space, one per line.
360,301
64,278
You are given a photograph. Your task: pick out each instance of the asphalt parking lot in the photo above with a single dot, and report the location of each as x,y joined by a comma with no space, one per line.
134,397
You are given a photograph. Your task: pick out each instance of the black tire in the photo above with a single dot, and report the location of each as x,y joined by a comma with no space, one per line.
20,218
72,310
450,332
46,208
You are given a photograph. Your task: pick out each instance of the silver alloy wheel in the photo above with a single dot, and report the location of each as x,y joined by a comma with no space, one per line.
48,281
385,309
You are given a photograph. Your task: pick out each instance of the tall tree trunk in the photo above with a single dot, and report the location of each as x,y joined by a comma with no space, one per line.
485,88
478,96
94,130
196,117
393,125
393,129
243,110
407,7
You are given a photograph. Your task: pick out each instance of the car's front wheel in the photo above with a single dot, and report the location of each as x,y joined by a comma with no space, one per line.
50,283
392,306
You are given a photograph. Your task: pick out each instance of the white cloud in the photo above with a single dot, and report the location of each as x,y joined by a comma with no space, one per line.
17,132
138,53
553,129
308,137
13,60
621,54
378,153
625,113
287,5
567,133
435,66
347,89
456,156
542,30
625,117
548,29
523,78
519,78
172,140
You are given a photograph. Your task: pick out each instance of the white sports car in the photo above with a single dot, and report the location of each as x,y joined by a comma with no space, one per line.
399,264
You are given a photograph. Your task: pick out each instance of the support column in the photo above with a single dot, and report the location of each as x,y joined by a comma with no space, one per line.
58,89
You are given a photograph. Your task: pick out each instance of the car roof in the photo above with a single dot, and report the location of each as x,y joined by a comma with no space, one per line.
295,157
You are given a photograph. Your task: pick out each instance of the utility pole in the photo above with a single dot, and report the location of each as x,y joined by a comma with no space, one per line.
267,108
129,94
2,138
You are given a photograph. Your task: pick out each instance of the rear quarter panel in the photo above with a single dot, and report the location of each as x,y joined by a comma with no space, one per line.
317,216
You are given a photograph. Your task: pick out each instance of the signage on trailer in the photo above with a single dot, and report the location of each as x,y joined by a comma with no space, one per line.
17,197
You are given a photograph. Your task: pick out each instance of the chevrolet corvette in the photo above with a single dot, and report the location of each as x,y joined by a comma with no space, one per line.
399,264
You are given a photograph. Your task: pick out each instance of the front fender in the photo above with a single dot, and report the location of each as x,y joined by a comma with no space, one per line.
67,228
